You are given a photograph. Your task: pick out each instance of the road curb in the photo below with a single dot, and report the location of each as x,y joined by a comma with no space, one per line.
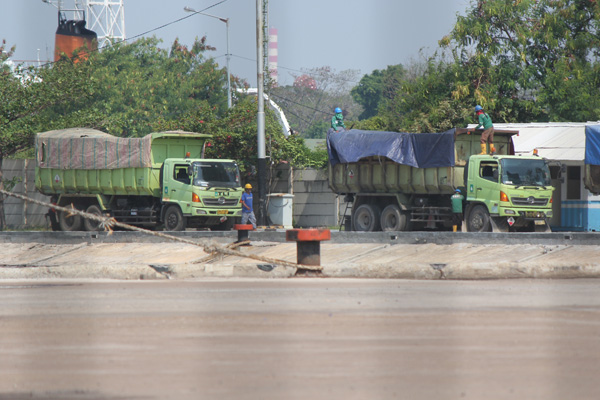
416,271
465,271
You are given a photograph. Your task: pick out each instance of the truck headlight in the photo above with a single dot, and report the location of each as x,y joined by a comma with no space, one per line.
510,212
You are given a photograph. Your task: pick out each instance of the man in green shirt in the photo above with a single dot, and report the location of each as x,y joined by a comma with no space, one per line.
457,209
337,121
488,133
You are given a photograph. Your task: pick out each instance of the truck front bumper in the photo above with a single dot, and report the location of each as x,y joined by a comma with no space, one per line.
215,212
525,213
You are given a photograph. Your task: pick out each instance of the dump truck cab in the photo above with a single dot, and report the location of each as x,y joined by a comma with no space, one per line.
504,192
203,192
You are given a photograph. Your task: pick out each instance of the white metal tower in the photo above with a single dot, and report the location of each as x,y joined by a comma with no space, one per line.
105,17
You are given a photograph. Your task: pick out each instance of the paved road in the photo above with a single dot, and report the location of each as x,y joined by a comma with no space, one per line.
302,338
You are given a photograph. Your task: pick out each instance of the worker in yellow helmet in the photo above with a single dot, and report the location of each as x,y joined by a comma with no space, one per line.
247,210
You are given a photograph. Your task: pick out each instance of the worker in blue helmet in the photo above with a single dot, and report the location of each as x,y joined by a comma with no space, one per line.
337,121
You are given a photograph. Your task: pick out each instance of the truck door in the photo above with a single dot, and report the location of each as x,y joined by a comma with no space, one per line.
176,187
485,187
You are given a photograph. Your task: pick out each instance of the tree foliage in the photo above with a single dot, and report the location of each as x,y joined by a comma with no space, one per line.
523,56
310,101
376,87
522,60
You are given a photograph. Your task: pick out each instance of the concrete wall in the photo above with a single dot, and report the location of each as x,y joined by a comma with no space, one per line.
314,204
20,214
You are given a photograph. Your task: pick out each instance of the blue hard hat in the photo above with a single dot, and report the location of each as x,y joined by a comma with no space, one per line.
457,191
338,110
478,108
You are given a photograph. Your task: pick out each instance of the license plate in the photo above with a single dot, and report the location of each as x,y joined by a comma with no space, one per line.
539,222
220,212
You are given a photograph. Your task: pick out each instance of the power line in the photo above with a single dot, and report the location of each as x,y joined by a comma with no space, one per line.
290,69
299,104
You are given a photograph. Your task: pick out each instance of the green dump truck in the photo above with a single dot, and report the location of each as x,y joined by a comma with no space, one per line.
400,181
160,181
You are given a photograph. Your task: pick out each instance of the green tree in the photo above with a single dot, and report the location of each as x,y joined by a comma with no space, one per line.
140,83
514,52
235,136
374,88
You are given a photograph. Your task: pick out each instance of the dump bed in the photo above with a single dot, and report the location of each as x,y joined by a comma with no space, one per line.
88,161
392,162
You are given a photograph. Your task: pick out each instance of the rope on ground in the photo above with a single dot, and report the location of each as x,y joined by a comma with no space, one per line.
108,223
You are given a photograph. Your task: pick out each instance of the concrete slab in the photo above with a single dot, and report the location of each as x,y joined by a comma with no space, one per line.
169,260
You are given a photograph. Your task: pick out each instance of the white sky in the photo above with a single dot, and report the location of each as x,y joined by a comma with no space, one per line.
343,34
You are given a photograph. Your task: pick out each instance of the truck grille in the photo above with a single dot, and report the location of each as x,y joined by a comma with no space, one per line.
529,201
220,202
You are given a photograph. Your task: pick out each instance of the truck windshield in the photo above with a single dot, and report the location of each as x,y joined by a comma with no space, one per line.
523,172
216,174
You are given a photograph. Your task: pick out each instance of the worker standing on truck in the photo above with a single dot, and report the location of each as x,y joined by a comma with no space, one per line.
457,209
488,134
337,121
247,211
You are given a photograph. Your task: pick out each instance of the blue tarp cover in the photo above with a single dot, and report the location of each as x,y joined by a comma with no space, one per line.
592,144
420,150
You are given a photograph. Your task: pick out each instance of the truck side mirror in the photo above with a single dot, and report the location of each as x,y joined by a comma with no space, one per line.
190,170
495,174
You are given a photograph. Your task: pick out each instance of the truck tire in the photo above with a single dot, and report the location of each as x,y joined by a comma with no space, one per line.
479,220
393,219
174,219
69,223
366,218
91,224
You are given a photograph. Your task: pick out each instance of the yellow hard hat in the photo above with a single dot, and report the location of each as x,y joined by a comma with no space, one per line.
248,186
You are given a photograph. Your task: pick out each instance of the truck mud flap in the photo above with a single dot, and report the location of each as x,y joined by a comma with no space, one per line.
499,224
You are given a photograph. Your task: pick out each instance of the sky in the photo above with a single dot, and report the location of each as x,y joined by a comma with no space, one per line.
362,35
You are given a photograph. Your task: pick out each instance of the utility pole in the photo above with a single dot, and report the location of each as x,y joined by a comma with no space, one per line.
260,118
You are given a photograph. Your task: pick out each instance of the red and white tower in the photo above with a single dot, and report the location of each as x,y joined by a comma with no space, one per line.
273,55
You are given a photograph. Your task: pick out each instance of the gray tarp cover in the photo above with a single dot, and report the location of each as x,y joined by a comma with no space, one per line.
420,150
84,148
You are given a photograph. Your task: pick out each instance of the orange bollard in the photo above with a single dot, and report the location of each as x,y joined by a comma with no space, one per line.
243,231
308,244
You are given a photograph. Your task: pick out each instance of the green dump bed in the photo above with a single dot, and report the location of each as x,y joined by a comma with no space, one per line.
379,174
87,161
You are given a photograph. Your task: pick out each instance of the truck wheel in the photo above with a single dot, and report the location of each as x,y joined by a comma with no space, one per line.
174,220
393,219
479,220
69,223
92,224
366,218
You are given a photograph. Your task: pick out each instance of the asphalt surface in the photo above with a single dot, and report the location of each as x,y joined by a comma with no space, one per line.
400,255
306,338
